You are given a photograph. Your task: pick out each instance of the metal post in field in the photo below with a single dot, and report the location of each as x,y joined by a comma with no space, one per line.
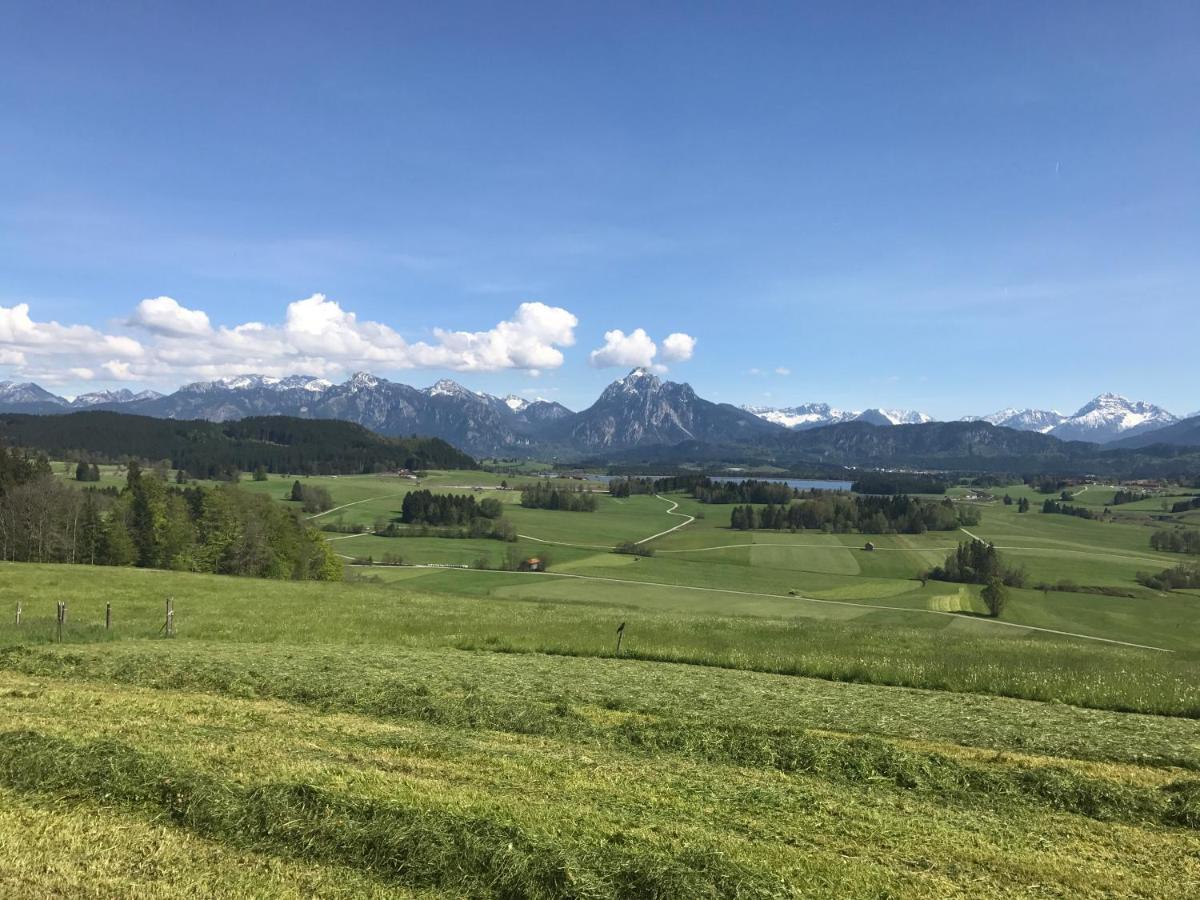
108,617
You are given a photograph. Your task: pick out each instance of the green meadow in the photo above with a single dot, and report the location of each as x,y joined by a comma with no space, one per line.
788,715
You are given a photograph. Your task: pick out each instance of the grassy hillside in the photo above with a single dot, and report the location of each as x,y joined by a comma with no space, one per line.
789,715
411,762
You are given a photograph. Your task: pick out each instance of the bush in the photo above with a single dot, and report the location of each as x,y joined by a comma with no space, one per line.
631,548
995,597
312,498
1180,577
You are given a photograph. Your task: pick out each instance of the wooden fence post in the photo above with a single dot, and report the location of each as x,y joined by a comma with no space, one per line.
62,617
18,613
620,635
170,624
108,617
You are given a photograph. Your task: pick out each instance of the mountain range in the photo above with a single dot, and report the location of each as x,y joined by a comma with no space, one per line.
815,415
1109,417
635,414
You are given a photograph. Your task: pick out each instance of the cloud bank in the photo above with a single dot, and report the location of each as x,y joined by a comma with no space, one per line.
317,336
638,349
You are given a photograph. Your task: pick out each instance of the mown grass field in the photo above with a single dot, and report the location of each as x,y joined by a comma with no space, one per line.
790,715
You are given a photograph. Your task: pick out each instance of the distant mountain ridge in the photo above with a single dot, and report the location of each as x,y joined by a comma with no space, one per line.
1040,420
815,415
639,410
1106,418
1184,433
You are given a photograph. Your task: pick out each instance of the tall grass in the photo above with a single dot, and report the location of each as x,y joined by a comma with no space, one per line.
884,648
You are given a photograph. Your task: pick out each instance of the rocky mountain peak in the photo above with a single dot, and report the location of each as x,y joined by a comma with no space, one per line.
448,388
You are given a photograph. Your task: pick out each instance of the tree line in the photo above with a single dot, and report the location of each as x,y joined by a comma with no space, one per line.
1057,507
898,483
150,524
847,513
547,495
1185,505
1178,578
1176,540
1124,495
424,507
707,490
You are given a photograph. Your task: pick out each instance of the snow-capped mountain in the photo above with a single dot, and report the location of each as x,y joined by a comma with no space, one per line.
893,417
814,415
1106,418
448,388
124,395
1039,420
806,415
474,421
1111,416
28,397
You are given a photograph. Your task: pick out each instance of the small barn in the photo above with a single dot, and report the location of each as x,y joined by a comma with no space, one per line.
533,564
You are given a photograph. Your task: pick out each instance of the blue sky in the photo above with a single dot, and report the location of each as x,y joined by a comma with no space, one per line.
953,207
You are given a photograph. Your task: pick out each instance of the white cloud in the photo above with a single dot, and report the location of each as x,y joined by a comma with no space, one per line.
49,351
678,347
164,315
638,349
782,370
624,350
317,336
530,342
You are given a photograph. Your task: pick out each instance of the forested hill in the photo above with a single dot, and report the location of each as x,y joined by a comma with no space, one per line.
979,446
212,449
